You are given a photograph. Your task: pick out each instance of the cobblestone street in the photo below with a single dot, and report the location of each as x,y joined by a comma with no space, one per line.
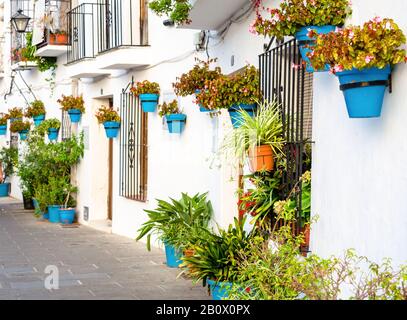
91,264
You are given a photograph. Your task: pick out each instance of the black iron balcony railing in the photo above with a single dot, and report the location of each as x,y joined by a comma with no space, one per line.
98,27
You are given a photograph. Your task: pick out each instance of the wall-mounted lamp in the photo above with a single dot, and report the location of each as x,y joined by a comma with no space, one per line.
20,21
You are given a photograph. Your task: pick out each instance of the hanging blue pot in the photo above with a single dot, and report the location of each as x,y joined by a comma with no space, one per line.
38,119
4,189
235,115
53,211
67,216
176,122
173,256
201,107
75,115
53,134
149,101
3,130
219,290
23,135
304,41
112,129
364,91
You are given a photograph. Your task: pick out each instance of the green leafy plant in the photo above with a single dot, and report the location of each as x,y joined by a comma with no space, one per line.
28,54
224,91
174,221
168,108
145,87
36,108
19,125
15,113
107,114
71,102
8,162
3,119
294,14
195,79
376,44
176,10
53,123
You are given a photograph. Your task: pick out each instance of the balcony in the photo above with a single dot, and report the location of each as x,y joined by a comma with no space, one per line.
105,27
204,17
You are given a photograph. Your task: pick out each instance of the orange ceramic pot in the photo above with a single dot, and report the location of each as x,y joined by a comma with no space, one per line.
261,158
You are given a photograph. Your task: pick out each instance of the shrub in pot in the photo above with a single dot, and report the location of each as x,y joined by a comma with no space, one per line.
3,124
235,93
36,111
175,223
59,37
176,10
148,93
259,137
52,126
175,119
110,119
362,58
15,114
194,80
298,17
8,163
22,127
75,106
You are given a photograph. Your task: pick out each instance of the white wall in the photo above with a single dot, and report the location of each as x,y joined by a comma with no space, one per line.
359,168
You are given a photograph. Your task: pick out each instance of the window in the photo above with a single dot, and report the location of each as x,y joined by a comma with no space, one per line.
133,148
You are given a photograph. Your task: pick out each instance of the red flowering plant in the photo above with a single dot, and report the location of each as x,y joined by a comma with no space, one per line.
72,103
225,91
145,87
195,79
376,44
294,14
168,108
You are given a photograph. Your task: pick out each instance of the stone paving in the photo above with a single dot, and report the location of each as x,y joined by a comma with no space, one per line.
92,265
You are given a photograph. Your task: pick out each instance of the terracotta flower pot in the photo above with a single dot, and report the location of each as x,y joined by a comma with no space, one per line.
261,158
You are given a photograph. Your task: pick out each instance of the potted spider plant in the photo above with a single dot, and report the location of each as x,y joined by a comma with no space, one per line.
52,126
148,93
3,124
75,106
175,119
193,81
259,138
22,127
36,111
362,58
15,114
67,212
297,18
110,119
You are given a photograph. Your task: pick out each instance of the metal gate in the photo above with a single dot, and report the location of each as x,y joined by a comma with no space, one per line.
284,79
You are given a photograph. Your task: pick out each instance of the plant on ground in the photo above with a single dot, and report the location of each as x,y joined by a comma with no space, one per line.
19,125
294,14
36,108
15,113
195,78
145,87
224,92
72,103
3,119
8,162
168,108
105,114
176,10
173,221
376,44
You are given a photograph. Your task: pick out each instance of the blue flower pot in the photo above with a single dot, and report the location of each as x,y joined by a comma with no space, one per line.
173,256
112,129
176,122
23,135
38,119
304,41
75,115
219,290
3,130
53,134
4,189
236,117
201,107
364,91
149,101
53,212
67,216
45,215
